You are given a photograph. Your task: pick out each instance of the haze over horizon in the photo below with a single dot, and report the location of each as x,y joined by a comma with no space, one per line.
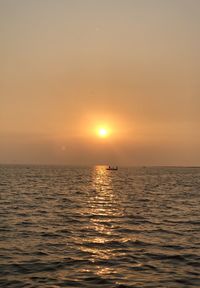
69,67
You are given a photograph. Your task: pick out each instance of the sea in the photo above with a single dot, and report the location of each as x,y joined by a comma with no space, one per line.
64,226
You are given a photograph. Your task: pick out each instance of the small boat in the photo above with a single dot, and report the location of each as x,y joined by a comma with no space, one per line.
112,168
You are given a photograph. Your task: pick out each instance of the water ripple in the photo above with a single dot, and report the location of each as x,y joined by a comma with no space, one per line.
89,227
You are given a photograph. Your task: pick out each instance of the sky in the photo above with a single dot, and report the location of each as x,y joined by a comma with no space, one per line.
68,67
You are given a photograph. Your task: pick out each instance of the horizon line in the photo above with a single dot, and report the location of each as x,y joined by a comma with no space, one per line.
94,165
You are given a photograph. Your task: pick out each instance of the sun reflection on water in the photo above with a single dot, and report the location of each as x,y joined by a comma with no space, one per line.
104,210
104,202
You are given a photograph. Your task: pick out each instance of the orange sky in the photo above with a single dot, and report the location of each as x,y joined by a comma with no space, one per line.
68,67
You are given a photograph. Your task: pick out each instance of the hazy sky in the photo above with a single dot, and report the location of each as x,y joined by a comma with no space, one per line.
69,66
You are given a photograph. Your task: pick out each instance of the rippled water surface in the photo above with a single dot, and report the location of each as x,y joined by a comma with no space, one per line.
89,227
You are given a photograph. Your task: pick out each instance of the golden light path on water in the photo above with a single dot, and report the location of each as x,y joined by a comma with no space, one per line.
104,208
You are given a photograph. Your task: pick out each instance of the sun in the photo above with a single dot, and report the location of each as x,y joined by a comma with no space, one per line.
103,132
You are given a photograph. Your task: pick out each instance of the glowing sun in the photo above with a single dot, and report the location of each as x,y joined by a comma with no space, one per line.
103,132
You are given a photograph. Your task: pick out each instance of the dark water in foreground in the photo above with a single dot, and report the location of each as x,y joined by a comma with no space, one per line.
89,227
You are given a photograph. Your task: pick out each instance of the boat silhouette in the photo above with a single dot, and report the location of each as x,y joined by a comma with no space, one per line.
112,168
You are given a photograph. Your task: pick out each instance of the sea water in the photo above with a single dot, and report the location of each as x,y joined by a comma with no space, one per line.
90,227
